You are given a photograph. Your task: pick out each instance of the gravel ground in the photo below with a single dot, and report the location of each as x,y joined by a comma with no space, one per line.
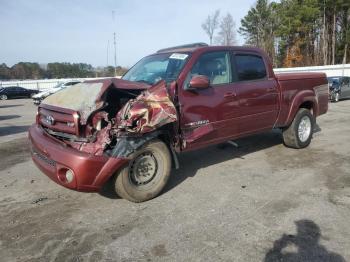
260,202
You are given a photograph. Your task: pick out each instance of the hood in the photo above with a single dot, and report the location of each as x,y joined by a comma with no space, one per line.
88,96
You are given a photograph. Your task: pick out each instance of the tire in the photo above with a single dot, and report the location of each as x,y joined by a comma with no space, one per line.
137,186
303,121
3,97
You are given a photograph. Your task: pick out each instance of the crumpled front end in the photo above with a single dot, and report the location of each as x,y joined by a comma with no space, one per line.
97,125
149,111
91,117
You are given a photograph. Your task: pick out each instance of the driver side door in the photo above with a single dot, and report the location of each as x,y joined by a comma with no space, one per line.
209,115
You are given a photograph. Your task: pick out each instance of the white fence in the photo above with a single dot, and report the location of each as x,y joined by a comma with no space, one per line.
330,70
39,84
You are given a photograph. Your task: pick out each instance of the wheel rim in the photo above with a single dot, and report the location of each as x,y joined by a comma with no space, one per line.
304,129
3,97
143,169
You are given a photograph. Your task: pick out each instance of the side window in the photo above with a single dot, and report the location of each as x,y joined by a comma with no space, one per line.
214,65
250,67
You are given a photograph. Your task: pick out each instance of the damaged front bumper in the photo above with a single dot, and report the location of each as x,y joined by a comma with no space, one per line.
69,167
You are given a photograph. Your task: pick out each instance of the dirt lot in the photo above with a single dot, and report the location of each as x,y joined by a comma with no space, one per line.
260,202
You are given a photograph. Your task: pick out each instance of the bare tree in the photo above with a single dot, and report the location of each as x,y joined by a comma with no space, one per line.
227,33
211,24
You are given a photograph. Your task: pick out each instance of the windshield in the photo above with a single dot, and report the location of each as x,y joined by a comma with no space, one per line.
154,68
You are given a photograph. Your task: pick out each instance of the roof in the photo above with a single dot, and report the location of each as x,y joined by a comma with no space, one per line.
183,48
196,46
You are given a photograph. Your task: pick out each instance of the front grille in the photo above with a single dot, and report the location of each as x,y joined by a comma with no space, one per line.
43,158
58,121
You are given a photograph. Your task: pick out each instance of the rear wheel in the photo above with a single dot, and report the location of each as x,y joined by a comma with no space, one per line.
299,133
3,97
146,174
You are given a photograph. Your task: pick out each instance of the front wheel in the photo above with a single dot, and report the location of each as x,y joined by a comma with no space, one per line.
299,133
3,97
146,174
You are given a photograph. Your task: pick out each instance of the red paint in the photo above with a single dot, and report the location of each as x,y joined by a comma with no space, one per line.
201,116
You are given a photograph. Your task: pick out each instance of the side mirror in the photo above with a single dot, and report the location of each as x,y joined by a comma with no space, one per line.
199,82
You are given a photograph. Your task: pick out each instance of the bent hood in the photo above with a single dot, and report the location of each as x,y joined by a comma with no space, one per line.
86,97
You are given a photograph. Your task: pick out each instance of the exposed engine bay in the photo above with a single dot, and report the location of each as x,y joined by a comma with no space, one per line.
110,116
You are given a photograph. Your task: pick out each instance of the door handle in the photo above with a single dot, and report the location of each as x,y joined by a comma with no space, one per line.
230,94
270,89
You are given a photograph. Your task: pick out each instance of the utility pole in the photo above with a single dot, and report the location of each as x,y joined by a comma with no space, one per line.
107,53
115,45
115,57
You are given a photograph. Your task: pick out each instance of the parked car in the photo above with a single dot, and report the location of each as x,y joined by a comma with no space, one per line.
129,131
16,92
339,87
40,96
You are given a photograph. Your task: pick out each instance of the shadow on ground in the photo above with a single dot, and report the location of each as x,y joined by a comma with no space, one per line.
8,117
14,152
304,246
8,106
10,130
191,162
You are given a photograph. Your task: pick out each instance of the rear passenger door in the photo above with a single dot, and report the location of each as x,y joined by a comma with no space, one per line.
256,91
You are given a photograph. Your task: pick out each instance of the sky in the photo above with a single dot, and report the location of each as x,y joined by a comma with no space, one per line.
79,31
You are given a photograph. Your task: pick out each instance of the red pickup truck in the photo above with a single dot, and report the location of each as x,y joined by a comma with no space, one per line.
129,131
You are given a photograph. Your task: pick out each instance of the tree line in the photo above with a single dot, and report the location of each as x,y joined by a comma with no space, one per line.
27,70
226,26
295,32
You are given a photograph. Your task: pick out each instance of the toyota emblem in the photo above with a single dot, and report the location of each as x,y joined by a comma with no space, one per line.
49,120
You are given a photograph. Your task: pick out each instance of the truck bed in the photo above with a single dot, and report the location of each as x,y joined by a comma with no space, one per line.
297,88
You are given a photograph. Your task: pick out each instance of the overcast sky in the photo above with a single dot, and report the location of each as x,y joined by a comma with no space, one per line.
78,31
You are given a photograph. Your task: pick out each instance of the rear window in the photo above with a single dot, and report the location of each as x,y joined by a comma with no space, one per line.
250,67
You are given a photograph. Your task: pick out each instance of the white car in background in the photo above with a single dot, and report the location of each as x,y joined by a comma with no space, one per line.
40,96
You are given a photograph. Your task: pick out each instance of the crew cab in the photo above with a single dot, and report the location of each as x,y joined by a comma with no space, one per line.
129,131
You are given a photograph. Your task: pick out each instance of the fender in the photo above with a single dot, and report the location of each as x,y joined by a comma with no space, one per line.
300,98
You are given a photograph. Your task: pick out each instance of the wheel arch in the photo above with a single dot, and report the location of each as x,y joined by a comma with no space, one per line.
167,138
307,100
